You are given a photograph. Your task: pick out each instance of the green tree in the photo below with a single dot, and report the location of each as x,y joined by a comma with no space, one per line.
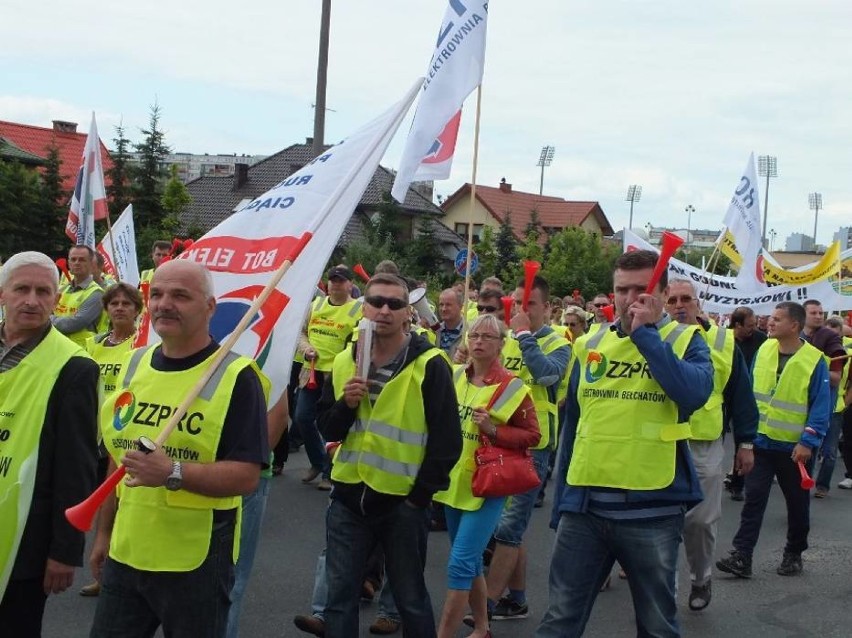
20,194
507,252
423,255
48,222
533,227
579,260
118,189
486,250
175,197
150,175
388,224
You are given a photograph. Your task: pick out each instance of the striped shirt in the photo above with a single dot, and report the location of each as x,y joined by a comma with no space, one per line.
380,376
12,356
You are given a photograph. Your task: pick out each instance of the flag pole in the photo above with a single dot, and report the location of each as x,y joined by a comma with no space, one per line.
472,204
112,248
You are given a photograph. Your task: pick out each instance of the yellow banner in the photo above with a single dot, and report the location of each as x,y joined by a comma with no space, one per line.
828,266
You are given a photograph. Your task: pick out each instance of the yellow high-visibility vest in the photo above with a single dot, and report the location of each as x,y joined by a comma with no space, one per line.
783,401
68,305
156,529
470,397
707,421
628,429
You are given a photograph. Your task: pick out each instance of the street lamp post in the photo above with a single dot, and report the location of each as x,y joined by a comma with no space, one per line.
815,203
634,194
772,235
545,159
689,210
767,166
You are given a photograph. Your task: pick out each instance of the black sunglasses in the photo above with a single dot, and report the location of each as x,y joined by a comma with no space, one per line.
486,308
394,303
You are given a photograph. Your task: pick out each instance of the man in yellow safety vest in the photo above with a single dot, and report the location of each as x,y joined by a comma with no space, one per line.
78,312
48,449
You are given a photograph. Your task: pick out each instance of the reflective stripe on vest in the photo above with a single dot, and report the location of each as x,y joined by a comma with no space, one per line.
387,443
470,397
24,393
628,428
783,402
544,396
707,421
157,529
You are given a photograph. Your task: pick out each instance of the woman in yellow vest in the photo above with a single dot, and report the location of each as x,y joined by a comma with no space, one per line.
510,423
122,304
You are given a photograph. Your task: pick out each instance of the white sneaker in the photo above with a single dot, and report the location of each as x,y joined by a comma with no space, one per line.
845,484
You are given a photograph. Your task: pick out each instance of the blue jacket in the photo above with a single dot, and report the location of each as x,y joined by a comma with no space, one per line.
688,382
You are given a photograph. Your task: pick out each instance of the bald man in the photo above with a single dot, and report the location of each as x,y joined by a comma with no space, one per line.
166,556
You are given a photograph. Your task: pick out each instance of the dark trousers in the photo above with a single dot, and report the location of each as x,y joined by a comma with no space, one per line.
351,538
758,483
282,450
194,604
22,608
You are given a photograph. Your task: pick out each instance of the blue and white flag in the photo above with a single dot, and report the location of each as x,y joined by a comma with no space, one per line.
455,70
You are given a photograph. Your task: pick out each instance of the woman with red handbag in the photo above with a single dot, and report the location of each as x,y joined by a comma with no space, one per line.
497,413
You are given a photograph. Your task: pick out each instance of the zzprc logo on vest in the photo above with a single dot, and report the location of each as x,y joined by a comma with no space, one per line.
123,409
599,362
232,306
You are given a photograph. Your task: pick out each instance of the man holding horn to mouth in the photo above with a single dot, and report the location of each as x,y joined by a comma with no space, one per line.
173,539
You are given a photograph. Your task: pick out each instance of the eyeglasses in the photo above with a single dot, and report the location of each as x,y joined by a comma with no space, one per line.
394,303
486,308
684,299
473,336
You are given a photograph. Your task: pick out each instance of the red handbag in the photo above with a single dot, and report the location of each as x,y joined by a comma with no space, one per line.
502,471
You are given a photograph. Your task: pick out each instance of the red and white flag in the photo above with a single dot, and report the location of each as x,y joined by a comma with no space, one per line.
245,250
455,69
89,200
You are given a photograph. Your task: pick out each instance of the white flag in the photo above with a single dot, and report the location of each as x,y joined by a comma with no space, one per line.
743,221
455,70
246,249
88,202
123,264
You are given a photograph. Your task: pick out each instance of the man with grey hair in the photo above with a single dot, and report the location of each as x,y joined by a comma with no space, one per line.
733,399
48,449
449,334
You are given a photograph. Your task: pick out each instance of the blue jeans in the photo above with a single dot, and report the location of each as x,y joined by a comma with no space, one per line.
828,451
387,606
254,506
585,549
305,422
469,535
194,604
351,537
516,515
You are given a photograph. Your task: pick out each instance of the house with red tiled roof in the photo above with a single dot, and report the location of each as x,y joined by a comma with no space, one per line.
37,141
493,204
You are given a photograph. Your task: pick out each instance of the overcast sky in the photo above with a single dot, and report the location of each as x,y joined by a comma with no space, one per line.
668,94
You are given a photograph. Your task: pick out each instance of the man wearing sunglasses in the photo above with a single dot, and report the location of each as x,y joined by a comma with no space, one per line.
400,436
732,399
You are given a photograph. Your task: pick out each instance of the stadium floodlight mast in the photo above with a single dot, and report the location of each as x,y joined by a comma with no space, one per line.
688,210
634,194
815,203
772,235
767,166
546,159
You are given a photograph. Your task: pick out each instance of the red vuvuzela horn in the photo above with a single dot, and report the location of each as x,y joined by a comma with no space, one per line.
671,243
807,482
83,513
609,313
531,269
312,377
358,269
508,302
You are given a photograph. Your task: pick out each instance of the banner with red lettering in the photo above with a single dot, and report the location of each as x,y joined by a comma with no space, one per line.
246,249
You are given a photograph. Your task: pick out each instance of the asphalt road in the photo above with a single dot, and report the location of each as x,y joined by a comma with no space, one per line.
814,604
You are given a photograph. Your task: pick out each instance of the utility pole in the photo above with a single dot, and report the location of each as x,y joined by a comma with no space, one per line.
322,79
